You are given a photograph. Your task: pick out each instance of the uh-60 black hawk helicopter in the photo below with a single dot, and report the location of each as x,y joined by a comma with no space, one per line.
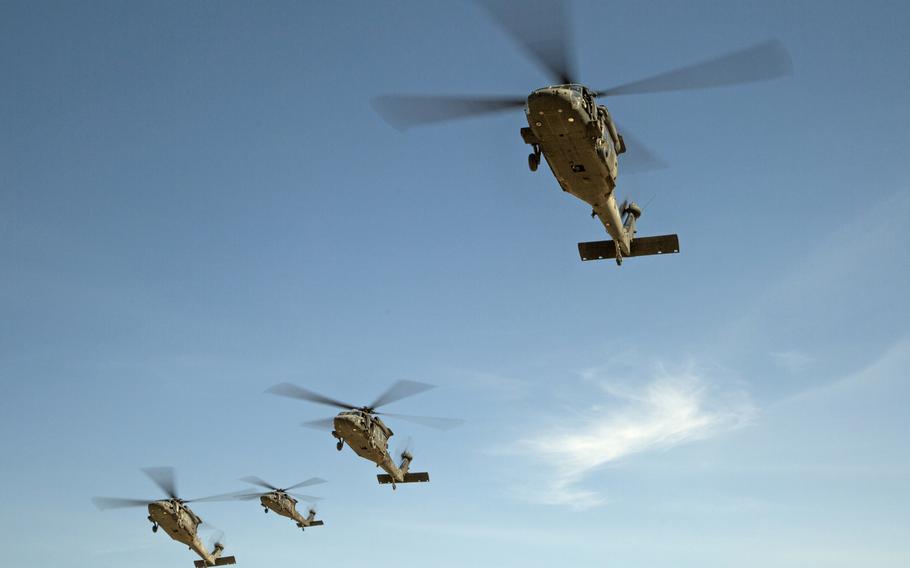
174,516
283,501
577,136
364,432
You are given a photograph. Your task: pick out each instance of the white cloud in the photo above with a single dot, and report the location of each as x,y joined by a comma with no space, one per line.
622,420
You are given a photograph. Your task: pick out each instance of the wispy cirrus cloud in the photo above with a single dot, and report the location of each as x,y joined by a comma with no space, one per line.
792,360
620,420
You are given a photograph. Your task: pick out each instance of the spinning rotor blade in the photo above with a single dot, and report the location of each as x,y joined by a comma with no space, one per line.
217,536
404,111
398,391
638,157
293,391
105,503
541,29
307,498
760,62
248,496
431,421
322,424
216,539
221,497
260,482
408,445
164,478
307,483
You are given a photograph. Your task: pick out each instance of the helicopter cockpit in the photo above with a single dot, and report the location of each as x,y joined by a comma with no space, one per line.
604,116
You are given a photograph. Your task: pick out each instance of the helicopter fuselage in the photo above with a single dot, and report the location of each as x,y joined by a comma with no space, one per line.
369,437
181,524
283,504
581,145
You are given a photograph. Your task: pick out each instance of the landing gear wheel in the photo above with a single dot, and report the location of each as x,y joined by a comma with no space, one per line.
266,511
154,528
340,445
533,161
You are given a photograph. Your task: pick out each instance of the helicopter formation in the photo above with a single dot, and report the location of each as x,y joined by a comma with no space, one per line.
358,427
583,148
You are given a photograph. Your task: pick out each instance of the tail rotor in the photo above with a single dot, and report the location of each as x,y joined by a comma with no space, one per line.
215,541
405,453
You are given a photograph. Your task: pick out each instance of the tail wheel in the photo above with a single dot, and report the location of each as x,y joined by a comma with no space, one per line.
154,528
339,446
533,161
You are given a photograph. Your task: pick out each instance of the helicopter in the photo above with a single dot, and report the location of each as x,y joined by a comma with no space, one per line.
566,126
282,501
361,428
173,515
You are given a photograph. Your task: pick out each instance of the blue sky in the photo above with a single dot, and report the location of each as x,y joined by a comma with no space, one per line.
197,202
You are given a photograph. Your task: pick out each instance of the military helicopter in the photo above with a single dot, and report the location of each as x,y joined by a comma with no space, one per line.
361,428
282,501
173,515
576,135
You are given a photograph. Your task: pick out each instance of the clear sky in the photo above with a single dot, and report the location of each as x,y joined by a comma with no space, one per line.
197,202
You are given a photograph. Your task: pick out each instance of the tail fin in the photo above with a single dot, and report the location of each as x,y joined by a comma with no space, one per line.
406,459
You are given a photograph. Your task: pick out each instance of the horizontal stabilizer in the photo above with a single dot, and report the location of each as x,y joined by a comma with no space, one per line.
644,246
316,523
420,477
223,561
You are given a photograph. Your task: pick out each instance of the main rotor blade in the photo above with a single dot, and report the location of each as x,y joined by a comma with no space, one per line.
400,390
307,483
405,111
327,424
638,158
248,496
307,498
431,421
259,481
541,29
293,391
220,497
164,478
760,62
105,503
